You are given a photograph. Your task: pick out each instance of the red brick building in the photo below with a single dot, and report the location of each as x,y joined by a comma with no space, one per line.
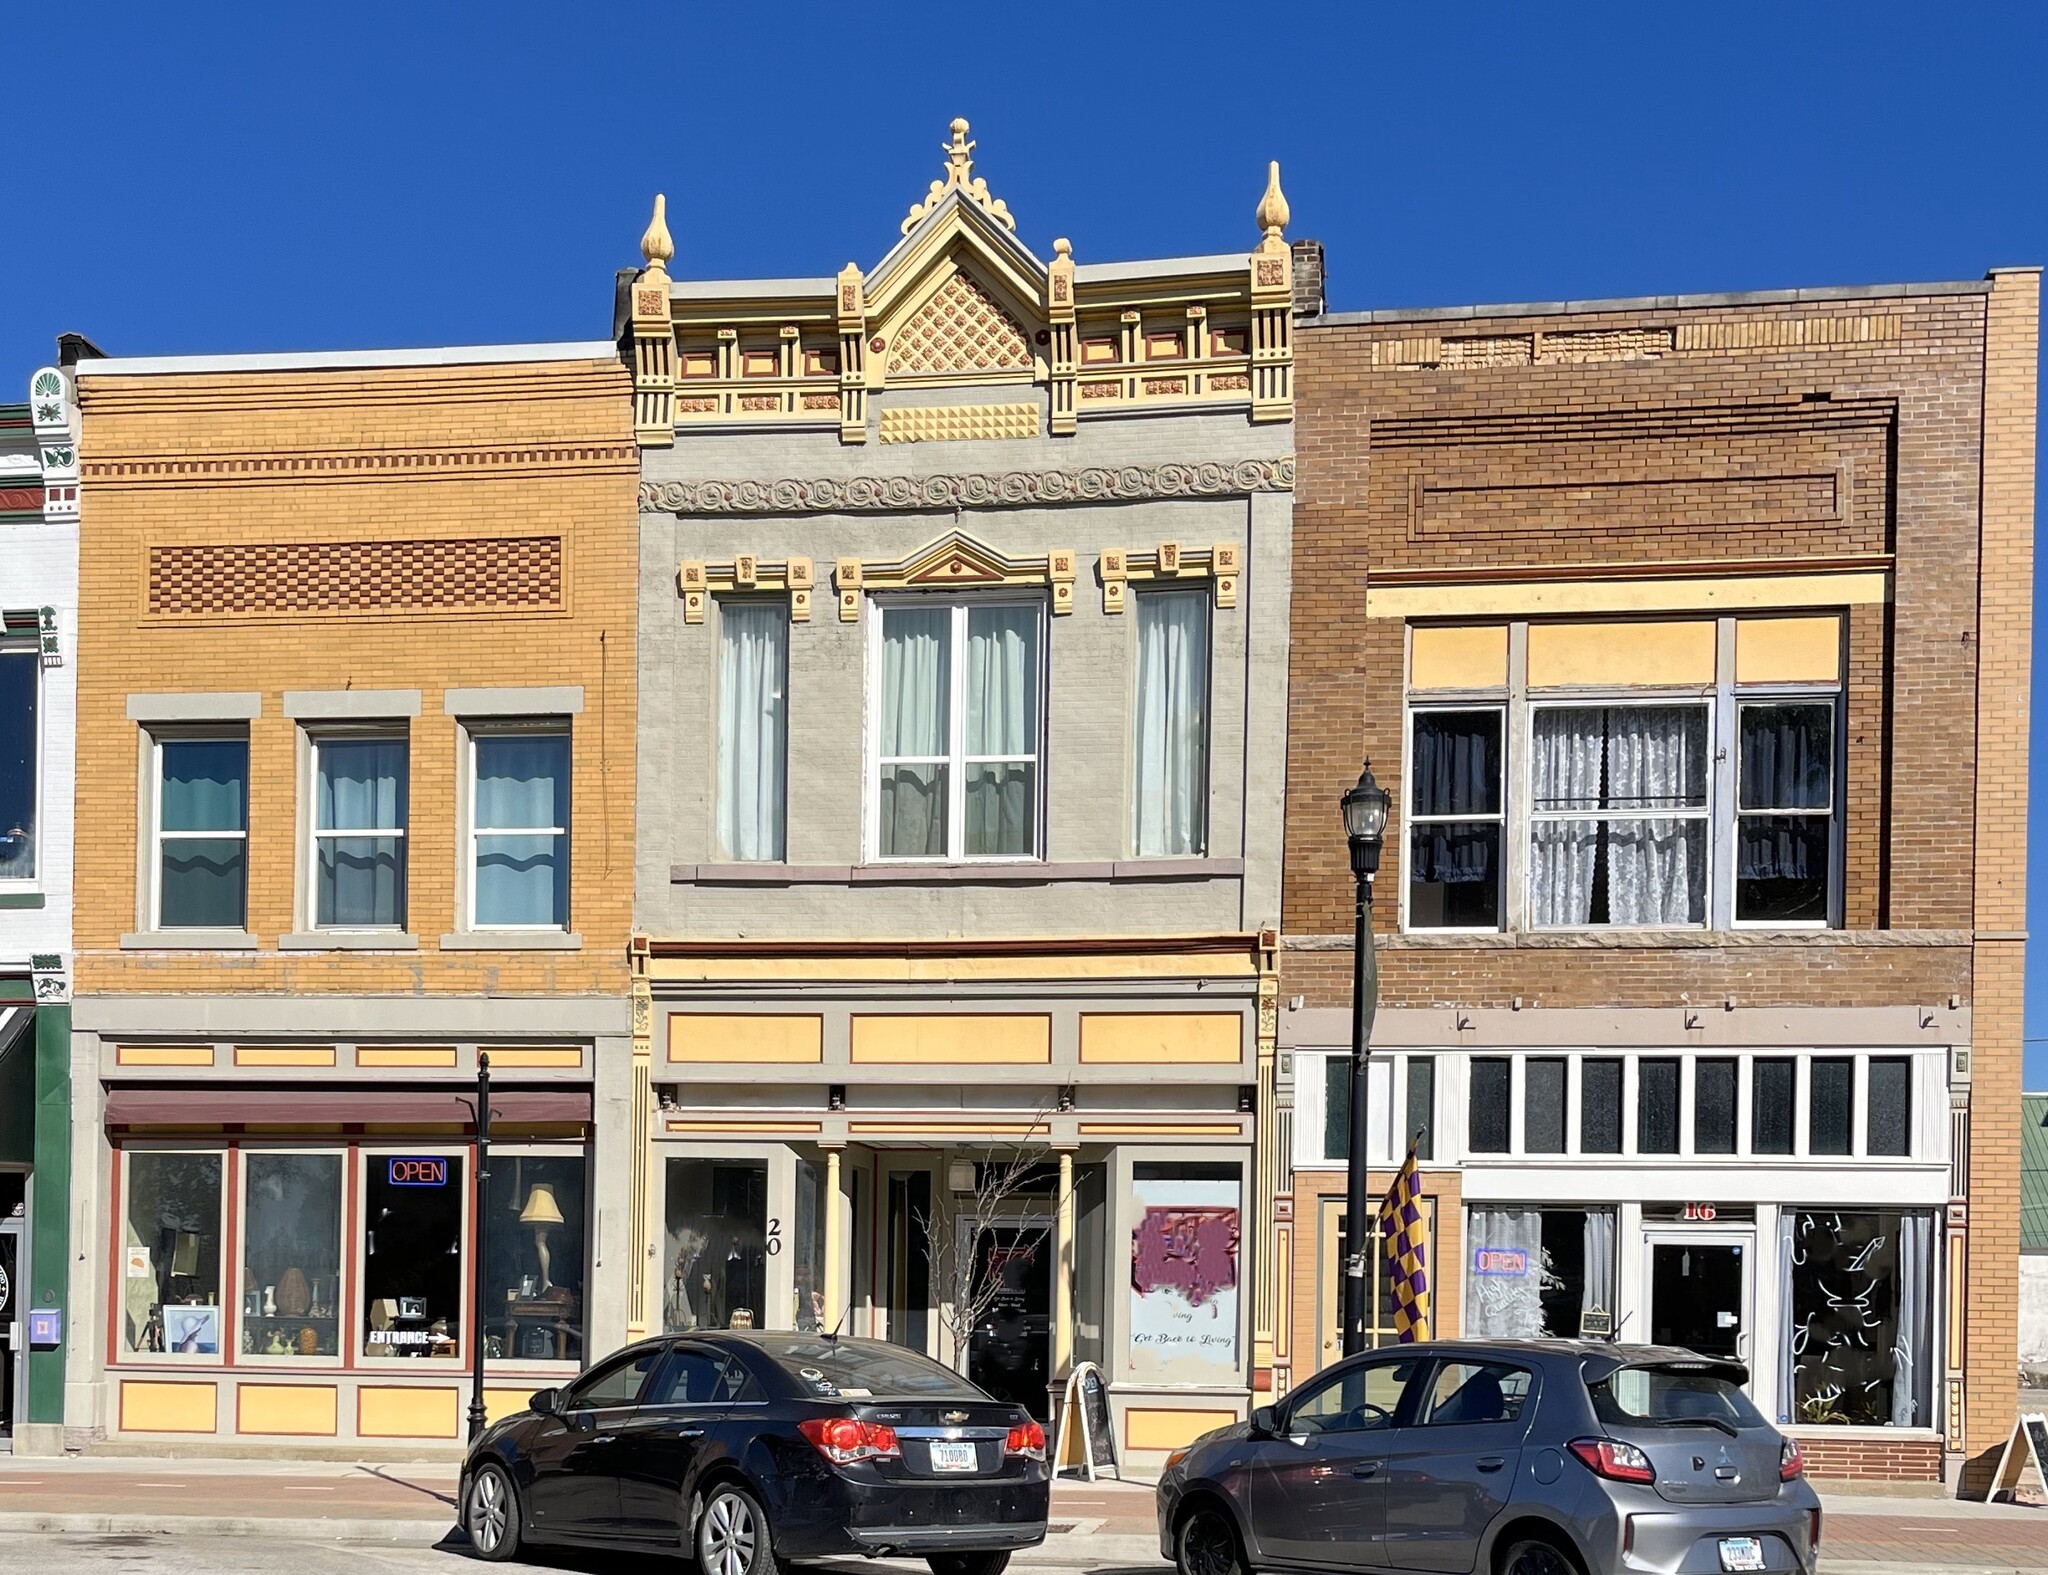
1691,636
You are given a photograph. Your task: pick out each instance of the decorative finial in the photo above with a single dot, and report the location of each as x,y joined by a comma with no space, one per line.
1272,216
656,245
960,174
1062,247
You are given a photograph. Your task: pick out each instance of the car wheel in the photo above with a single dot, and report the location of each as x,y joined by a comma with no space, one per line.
732,1535
1207,1544
1534,1556
491,1517
968,1563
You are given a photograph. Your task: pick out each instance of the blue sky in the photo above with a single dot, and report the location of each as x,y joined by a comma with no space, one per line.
245,177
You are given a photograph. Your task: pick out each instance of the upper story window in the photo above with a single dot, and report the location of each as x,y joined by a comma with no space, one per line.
201,833
519,832
1170,749
360,787
753,727
21,672
1785,831
956,771
1455,812
1401,1101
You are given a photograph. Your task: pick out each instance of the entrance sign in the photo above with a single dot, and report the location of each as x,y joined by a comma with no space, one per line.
428,1172
2028,1446
1508,1262
1086,1408
1699,1211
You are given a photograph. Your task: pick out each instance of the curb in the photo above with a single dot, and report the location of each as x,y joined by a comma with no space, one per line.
412,1533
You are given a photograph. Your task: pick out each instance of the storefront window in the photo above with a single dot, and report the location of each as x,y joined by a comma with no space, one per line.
535,1250
1858,1348
1539,1272
171,1278
1091,1259
1184,1274
809,1264
715,1262
412,1255
291,1255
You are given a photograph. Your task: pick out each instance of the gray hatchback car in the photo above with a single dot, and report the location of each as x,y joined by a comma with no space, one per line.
1502,1457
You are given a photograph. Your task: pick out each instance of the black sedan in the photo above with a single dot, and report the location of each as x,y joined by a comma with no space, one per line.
753,1449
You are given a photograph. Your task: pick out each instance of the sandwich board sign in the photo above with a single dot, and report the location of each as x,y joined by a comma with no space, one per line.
1085,1422
2028,1446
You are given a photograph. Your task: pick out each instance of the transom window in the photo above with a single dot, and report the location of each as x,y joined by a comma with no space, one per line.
957,738
359,825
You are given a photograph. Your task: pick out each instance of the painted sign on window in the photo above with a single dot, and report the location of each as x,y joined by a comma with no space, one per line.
1184,1257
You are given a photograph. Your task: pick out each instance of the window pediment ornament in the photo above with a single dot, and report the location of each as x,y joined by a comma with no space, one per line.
1170,561
950,562
747,572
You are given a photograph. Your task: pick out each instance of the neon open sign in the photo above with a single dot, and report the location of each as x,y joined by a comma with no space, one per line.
417,1172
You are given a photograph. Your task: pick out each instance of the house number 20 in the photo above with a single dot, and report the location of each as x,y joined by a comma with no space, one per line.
774,1237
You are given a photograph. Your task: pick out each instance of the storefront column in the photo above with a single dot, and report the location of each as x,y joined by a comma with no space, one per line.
1063,1272
835,1244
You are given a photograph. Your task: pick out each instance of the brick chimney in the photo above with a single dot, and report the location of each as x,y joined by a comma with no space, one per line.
1308,278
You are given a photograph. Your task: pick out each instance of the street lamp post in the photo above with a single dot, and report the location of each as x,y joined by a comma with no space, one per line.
1365,825
477,1254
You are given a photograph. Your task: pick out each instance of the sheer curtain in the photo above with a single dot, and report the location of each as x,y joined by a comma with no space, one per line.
1791,1338
1599,1265
916,693
1506,1306
753,667
522,819
1002,731
1170,754
1912,1360
361,790
1566,748
1656,868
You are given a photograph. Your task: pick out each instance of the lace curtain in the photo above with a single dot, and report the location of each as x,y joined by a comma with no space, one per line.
1642,869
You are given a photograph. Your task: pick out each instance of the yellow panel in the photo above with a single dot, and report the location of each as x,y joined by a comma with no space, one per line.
303,1409
168,1408
1620,653
1530,598
969,1039
1467,656
1162,1429
1788,650
283,1055
913,1126
1220,1129
501,1403
1163,1038
720,1036
746,1126
391,1412
547,1055
163,1055
405,1055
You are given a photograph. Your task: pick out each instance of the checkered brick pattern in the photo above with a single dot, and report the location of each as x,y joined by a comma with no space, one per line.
257,578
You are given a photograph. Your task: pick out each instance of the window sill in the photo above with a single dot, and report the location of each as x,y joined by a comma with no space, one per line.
20,899
189,941
349,941
511,941
1011,873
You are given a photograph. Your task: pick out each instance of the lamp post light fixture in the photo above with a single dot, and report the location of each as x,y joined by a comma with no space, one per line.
1365,828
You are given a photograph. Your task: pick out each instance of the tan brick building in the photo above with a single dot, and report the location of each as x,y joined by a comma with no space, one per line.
1691,636
357,680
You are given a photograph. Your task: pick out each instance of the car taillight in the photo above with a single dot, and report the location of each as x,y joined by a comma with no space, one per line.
1611,1458
1813,1530
1026,1439
845,1439
1791,1461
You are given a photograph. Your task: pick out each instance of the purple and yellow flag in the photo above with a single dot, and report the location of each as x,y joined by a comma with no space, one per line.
1407,1237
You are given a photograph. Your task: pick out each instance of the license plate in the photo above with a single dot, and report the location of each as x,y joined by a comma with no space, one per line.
1742,1553
960,1457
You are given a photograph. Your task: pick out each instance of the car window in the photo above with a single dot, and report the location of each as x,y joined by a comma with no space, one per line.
1476,1392
616,1383
858,1369
1655,1396
1356,1400
691,1378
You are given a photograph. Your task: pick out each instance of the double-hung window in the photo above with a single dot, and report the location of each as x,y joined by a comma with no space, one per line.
359,827
957,730
1455,812
1785,831
1170,754
519,832
753,727
201,833
21,670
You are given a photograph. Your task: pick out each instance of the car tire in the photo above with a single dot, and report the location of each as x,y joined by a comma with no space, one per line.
1534,1556
490,1514
968,1563
732,1534
1207,1543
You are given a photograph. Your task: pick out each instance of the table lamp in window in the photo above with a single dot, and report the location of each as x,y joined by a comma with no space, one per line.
543,1214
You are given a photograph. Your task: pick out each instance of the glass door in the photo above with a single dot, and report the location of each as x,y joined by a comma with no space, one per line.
1010,1351
13,1296
1701,1290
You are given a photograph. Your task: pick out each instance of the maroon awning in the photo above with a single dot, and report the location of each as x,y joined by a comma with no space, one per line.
127,1107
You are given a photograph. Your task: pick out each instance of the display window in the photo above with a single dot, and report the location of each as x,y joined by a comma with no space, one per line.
717,1244
414,1254
174,1221
1857,1347
535,1249
290,1256
1539,1273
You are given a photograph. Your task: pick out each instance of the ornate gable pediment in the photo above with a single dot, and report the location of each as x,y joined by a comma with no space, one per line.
956,559
961,327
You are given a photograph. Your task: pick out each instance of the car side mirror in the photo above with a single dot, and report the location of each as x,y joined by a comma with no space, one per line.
544,1402
1266,1421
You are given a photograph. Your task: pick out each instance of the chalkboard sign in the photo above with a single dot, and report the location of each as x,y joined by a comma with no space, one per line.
1086,1407
2028,1446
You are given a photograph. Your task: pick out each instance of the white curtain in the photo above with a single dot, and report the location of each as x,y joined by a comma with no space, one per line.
1599,1267
753,719
1912,1359
1655,867
1170,770
1791,1339
1002,720
1505,1306
1566,749
916,693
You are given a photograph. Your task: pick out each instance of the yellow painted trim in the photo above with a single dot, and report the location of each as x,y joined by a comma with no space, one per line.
163,1055
300,1410
779,1038
1162,1038
1458,656
951,1038
388,1411
943,970
283,1055
169,1408
1605,654
1165,1429
1788,650
1528,599
912,1127
501,1403
1217,1129
746,1126
397,1055
552,1055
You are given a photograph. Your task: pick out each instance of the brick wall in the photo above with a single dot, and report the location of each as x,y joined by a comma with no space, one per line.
1870,1458
421,527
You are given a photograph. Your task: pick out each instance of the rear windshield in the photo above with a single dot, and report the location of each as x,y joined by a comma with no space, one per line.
1665,1397
834,1369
